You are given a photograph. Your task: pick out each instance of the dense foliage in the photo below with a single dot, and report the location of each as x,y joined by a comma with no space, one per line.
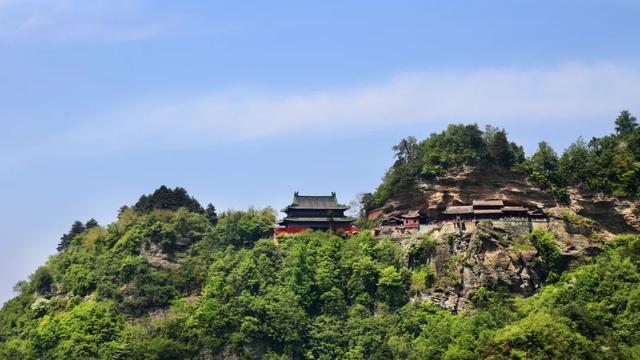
76,229
610,164
165,198
171,285
457,146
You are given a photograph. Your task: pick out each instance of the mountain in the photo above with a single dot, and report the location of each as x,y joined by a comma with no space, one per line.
171,279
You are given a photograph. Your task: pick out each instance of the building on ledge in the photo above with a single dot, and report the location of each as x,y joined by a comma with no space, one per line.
464,212
490,210
411,219
316,213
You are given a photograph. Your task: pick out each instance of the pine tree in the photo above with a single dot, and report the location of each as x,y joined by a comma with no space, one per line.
76,228
625,123
406,150
500,149
90,224
165,198
211,214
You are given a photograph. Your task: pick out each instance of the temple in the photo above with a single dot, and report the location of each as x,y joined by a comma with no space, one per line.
490,210
315,213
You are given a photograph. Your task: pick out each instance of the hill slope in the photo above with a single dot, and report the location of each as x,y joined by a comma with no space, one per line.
171,279
169,285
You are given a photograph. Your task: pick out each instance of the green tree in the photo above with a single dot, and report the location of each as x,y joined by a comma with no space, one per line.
548,249
91,224
165,198
393,286
77,228
574,164
79,333
498,146
244,228
42,280
625,123
540,336
543,166
406,150
212,216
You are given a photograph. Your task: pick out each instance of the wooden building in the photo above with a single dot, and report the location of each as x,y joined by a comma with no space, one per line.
515,212
390,220
308,212
489,210
375,213
411,219
464,212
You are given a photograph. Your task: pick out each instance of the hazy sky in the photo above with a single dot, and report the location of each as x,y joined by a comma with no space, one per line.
245,103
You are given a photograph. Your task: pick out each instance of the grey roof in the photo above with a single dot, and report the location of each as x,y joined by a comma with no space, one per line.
412,214
319,219
458,210
316,202
488,203
515,208
487,211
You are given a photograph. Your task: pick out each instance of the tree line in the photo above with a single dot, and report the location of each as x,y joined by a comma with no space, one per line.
609,164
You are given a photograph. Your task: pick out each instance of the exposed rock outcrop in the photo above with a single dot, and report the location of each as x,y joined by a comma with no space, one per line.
499,254
493,255
613,215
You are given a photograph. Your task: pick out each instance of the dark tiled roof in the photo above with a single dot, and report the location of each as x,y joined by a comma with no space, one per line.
319,219
387,218
458,210
488,211
412,214
488,203
316,202
515,208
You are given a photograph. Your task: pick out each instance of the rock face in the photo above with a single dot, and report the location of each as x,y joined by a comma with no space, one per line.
499,254
613,215
493,255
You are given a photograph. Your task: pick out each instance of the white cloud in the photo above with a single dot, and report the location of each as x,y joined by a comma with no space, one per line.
571,92
65,20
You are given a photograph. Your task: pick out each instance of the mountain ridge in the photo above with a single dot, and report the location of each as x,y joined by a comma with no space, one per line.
171,279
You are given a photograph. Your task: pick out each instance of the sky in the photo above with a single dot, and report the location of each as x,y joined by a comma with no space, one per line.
243,103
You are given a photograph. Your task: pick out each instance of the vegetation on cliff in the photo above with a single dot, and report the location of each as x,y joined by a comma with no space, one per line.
610,164
170,284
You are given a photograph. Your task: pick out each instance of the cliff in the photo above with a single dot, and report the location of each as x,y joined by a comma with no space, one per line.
500,254
613,215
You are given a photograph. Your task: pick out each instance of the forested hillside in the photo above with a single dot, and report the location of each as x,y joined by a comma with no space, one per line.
608,164
171,279
170,285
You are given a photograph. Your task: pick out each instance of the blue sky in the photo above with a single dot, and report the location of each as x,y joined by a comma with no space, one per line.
244,103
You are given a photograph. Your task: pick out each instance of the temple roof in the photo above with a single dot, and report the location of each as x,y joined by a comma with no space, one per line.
488,203
315,202
412,214
515,208
319,219
487,211
458,210
390,217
